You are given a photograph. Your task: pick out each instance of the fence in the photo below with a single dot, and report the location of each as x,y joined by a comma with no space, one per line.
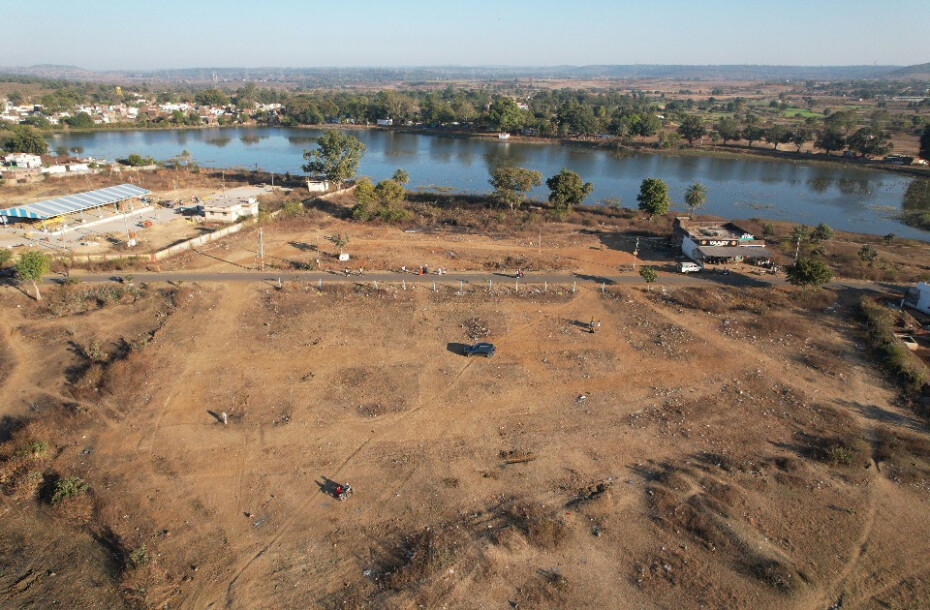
180,247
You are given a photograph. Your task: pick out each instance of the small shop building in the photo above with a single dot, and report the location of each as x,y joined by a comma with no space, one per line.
719,242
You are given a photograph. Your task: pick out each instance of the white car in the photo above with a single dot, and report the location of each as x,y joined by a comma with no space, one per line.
689,267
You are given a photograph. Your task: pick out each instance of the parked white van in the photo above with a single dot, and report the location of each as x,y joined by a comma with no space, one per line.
689,267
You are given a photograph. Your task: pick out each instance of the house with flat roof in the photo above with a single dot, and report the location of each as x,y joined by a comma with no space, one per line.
228,207
717,242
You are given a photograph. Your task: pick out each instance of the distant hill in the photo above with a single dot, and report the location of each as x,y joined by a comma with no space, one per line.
54,72
322,77
918,72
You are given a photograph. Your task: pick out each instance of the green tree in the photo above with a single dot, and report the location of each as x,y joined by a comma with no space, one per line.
823,232
645,125
511,184
37,120
390,192
337,156
777,134
578,120
695,196
136,160
653,197
505,115
692,128
801,233
868,254
869,142
648,274
24,139
33,266
81,120
728,129
753,133
211,97
925,143
800,135
842,121
809,272
365,191
339,240
401,177
567,189
831,139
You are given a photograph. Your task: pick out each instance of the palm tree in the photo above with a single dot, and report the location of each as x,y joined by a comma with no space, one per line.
695,196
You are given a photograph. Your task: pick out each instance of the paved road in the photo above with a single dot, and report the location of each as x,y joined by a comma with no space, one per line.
693,279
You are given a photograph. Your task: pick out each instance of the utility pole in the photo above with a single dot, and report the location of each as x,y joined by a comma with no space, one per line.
635,254
261,248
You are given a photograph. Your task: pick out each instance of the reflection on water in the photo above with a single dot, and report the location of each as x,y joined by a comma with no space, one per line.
819,184
846,198
915,208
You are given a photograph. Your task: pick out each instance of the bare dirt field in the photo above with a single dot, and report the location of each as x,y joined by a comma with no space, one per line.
706,448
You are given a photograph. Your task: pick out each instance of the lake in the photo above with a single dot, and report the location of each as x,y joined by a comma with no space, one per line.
846,198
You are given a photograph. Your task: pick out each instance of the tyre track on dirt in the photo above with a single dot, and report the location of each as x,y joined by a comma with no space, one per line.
403,419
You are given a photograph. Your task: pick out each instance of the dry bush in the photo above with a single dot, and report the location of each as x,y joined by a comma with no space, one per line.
422,556
548,588
904,457
541,527
843,450
23,459
71,300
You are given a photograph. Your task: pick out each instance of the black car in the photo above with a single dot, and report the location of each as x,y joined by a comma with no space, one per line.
480,349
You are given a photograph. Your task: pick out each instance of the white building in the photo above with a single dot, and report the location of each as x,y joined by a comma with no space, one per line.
229,208
317,186
385,122
918,297
22,161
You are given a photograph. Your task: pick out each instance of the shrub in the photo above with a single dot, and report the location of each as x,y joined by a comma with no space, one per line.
34,449
138,557
292,209
823,232
909,370
648,274
68,488
840,455
809,272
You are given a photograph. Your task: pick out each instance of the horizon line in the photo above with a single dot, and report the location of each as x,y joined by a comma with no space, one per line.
461,66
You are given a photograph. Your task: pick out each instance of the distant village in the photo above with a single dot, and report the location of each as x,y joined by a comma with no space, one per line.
135,107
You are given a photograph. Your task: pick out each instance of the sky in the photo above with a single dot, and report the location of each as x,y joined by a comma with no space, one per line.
99,35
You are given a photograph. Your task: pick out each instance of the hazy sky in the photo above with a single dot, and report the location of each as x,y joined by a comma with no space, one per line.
304,33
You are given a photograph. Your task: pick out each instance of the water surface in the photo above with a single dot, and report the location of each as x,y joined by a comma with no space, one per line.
846,198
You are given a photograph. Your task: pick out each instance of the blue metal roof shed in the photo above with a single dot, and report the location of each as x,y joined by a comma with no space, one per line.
43,210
